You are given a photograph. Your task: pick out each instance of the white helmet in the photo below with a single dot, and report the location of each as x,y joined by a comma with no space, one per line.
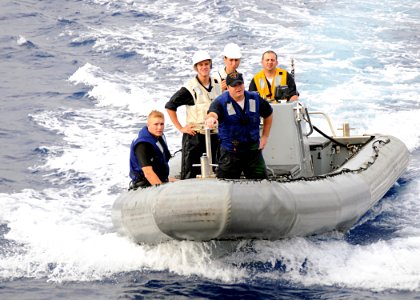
232,51
200,55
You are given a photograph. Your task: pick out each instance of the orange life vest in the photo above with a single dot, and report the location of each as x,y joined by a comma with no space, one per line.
280,78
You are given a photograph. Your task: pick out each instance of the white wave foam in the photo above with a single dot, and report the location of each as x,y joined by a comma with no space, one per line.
21,40
66,233
379,266
68,238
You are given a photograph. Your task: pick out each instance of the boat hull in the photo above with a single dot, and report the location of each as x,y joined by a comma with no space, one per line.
208,209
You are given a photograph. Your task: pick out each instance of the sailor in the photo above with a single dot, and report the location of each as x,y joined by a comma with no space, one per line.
238,114
231,59
273,83
149,154
196,94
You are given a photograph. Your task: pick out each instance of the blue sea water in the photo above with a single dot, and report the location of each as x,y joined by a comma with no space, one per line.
77,79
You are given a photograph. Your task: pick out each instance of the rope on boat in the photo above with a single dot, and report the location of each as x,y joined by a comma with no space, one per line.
328,137
370,162
288,178
173,155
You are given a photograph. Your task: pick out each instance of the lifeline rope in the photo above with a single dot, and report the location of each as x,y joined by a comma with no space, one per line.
374,156
287,178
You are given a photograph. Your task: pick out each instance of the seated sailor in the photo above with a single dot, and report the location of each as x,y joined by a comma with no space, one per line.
149,154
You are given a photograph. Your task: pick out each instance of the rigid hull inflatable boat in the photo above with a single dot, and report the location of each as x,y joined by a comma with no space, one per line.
316,184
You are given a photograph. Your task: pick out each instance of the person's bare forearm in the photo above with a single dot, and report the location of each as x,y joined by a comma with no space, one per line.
151,175
174,118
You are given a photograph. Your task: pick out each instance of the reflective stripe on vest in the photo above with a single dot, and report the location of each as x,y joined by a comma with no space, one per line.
197,113
239,131
261,83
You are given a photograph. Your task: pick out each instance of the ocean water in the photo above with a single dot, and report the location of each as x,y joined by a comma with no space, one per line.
77,79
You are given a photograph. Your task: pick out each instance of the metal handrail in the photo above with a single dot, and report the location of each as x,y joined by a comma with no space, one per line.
299,108
206,162
208,145
309,122
326,117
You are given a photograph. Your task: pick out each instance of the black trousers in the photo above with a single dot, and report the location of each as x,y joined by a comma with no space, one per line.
193,148
251,163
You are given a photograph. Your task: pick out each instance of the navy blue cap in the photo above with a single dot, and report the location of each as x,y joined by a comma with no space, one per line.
234,78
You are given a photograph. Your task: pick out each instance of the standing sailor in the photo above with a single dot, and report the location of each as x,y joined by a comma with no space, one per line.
238,114
231,59
196,94
273,83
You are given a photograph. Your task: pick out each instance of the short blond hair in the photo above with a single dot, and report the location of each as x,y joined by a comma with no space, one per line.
156,114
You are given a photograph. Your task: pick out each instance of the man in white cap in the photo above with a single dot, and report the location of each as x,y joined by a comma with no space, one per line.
196,94
231,58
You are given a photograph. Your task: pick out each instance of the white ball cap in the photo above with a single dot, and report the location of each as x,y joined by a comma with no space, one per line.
200,55
232,51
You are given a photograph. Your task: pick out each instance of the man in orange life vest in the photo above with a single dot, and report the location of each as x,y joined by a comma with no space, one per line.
273,83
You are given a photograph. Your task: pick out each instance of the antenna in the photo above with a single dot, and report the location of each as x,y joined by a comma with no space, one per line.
293,68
